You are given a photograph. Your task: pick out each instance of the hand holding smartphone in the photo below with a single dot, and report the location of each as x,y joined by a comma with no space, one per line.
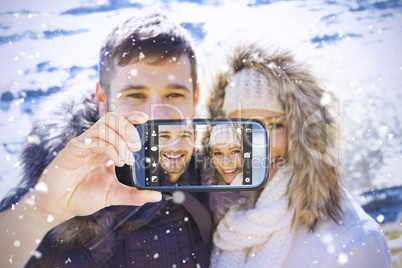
237,149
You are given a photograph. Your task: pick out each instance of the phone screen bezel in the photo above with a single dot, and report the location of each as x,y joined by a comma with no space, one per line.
259,128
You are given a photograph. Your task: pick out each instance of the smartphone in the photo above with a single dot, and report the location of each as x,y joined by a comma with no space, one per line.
202,155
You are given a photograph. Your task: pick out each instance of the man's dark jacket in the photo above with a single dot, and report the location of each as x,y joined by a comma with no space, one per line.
162,234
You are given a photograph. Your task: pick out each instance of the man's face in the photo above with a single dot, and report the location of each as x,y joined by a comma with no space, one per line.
176,146
162,90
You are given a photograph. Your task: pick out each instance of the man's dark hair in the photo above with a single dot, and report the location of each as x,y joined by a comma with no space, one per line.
152,36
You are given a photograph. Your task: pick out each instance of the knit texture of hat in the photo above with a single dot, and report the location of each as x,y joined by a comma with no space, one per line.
249,89
226,134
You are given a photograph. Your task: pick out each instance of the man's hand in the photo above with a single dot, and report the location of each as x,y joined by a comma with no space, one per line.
81,179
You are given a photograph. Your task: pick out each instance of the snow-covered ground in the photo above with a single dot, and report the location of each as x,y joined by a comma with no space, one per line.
356,46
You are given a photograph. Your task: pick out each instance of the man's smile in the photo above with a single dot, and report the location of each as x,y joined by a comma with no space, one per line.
173,157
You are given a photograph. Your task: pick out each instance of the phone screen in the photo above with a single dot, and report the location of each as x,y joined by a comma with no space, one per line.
235,151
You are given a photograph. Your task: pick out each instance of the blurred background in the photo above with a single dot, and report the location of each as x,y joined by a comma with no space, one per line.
355,46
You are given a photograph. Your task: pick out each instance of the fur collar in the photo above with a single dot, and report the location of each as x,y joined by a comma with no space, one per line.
312,159
58,119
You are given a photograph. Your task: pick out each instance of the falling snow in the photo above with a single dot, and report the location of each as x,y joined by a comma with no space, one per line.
134,72
355,51
343,258
178,197
37,254
42,187
50,218
380,218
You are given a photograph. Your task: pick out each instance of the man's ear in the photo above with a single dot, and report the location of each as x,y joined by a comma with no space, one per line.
196,97
101,100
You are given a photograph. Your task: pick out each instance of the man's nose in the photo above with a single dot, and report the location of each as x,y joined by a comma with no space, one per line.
159,110
177,144
173,147
161,113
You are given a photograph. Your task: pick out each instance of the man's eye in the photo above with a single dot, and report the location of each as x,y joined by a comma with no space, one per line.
175,95
185,136
136,96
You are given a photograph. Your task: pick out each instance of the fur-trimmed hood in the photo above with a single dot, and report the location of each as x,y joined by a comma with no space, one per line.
312,159
58,119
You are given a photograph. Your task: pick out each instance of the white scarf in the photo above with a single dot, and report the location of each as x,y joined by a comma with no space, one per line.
256,237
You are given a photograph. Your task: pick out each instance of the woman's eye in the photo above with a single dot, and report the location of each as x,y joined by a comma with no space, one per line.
275,125
164,136
236,152
217,153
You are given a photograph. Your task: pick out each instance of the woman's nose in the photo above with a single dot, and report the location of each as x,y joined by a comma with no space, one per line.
226,161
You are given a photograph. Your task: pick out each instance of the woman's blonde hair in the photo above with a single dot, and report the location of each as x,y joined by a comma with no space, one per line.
312,158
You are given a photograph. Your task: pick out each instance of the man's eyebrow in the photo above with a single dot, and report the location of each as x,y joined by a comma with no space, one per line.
178,86
170,87
139,87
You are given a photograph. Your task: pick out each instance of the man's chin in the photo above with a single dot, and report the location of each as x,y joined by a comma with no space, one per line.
173,170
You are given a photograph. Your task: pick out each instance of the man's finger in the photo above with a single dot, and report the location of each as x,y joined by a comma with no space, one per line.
137,117
120,194
111,152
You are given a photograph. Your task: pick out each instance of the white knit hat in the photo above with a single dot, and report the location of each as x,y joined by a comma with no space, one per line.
226,134
249,89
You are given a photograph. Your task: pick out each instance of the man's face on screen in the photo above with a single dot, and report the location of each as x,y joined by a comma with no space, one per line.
176,146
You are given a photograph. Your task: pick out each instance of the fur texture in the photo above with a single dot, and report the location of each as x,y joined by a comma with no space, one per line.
312,158
58,119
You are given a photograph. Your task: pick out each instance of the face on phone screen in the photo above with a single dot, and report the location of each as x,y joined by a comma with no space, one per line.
175,148
230,150
225,146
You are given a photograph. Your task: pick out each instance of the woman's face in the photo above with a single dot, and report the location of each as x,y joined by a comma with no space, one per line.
227,159
276,124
